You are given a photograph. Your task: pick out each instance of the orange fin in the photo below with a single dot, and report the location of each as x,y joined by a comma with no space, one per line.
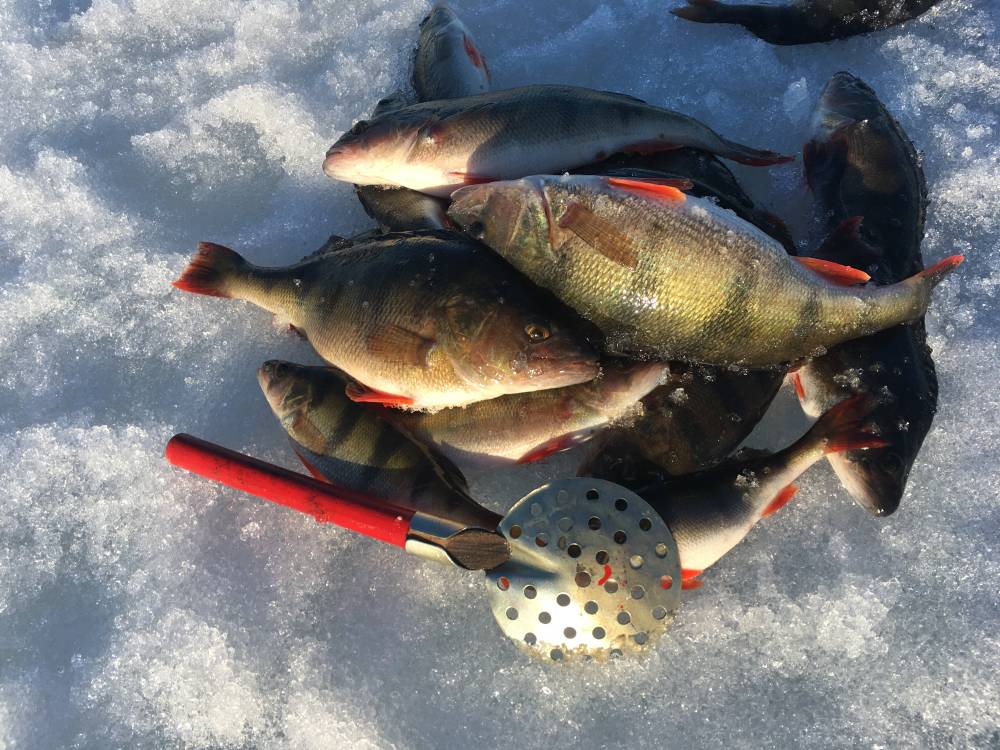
781,500
601,235
940,269
666,190
555,445
835,273
468,178
800,391
844,427
209,270
392,343
472,52
362,394
689,580
845,243
317,474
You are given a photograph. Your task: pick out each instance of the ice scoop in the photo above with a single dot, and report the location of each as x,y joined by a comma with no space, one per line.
579,568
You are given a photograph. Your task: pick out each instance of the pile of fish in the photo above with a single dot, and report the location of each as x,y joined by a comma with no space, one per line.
555,265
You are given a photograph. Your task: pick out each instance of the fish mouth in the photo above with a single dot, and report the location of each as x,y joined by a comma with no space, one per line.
334,161
564,365
272,382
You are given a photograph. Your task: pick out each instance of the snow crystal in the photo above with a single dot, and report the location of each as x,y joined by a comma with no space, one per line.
142,607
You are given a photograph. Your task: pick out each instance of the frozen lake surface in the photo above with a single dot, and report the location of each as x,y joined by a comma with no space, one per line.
142,607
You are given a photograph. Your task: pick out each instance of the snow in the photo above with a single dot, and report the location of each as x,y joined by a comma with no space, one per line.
141,607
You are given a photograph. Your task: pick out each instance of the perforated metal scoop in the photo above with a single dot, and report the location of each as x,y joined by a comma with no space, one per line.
579,568
593,571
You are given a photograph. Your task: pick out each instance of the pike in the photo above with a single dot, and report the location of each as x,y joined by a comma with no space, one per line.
438,146
419,320
676,276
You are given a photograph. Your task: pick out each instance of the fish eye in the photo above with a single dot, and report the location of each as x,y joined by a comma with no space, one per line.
280,370
537,332
359,127
891,463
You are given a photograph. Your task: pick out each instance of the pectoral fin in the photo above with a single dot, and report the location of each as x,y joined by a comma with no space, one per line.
600,234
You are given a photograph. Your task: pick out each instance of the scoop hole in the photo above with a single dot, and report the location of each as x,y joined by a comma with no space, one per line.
599,633
611,587
530,639
565,523
570,633
602,557
645,524
624,618
638,592
660,550
542,540
594,523
591,607
620,537
544,617
574,550
511,613
621,504
635,561
666,582
530,592
515,532
658,613
583,579
593,495
563,600
503,583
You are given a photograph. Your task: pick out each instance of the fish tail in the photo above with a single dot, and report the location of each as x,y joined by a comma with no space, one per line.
908,300
212,271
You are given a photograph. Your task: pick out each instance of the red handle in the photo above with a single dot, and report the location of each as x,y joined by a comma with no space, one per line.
326,503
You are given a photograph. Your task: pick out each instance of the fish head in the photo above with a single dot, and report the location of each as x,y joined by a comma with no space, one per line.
379,151
525,347
296,394
514,218
623,383
845,100
876,478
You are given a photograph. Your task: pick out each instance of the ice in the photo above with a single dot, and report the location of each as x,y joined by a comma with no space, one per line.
141,607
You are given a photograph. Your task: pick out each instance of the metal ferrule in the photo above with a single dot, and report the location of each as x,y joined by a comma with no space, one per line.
428,534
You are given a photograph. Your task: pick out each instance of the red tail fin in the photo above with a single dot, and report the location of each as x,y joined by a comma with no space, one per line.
210,270
843,426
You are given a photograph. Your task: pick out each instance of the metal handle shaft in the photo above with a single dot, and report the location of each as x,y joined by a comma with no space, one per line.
326,503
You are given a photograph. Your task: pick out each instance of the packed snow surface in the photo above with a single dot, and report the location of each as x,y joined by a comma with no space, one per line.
143,607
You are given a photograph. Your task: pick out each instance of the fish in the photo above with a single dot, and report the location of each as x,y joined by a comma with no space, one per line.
420,320
399,209
710,512
349,445
447,64
438,146
675,276
806,21
866,180
693,421
526,427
